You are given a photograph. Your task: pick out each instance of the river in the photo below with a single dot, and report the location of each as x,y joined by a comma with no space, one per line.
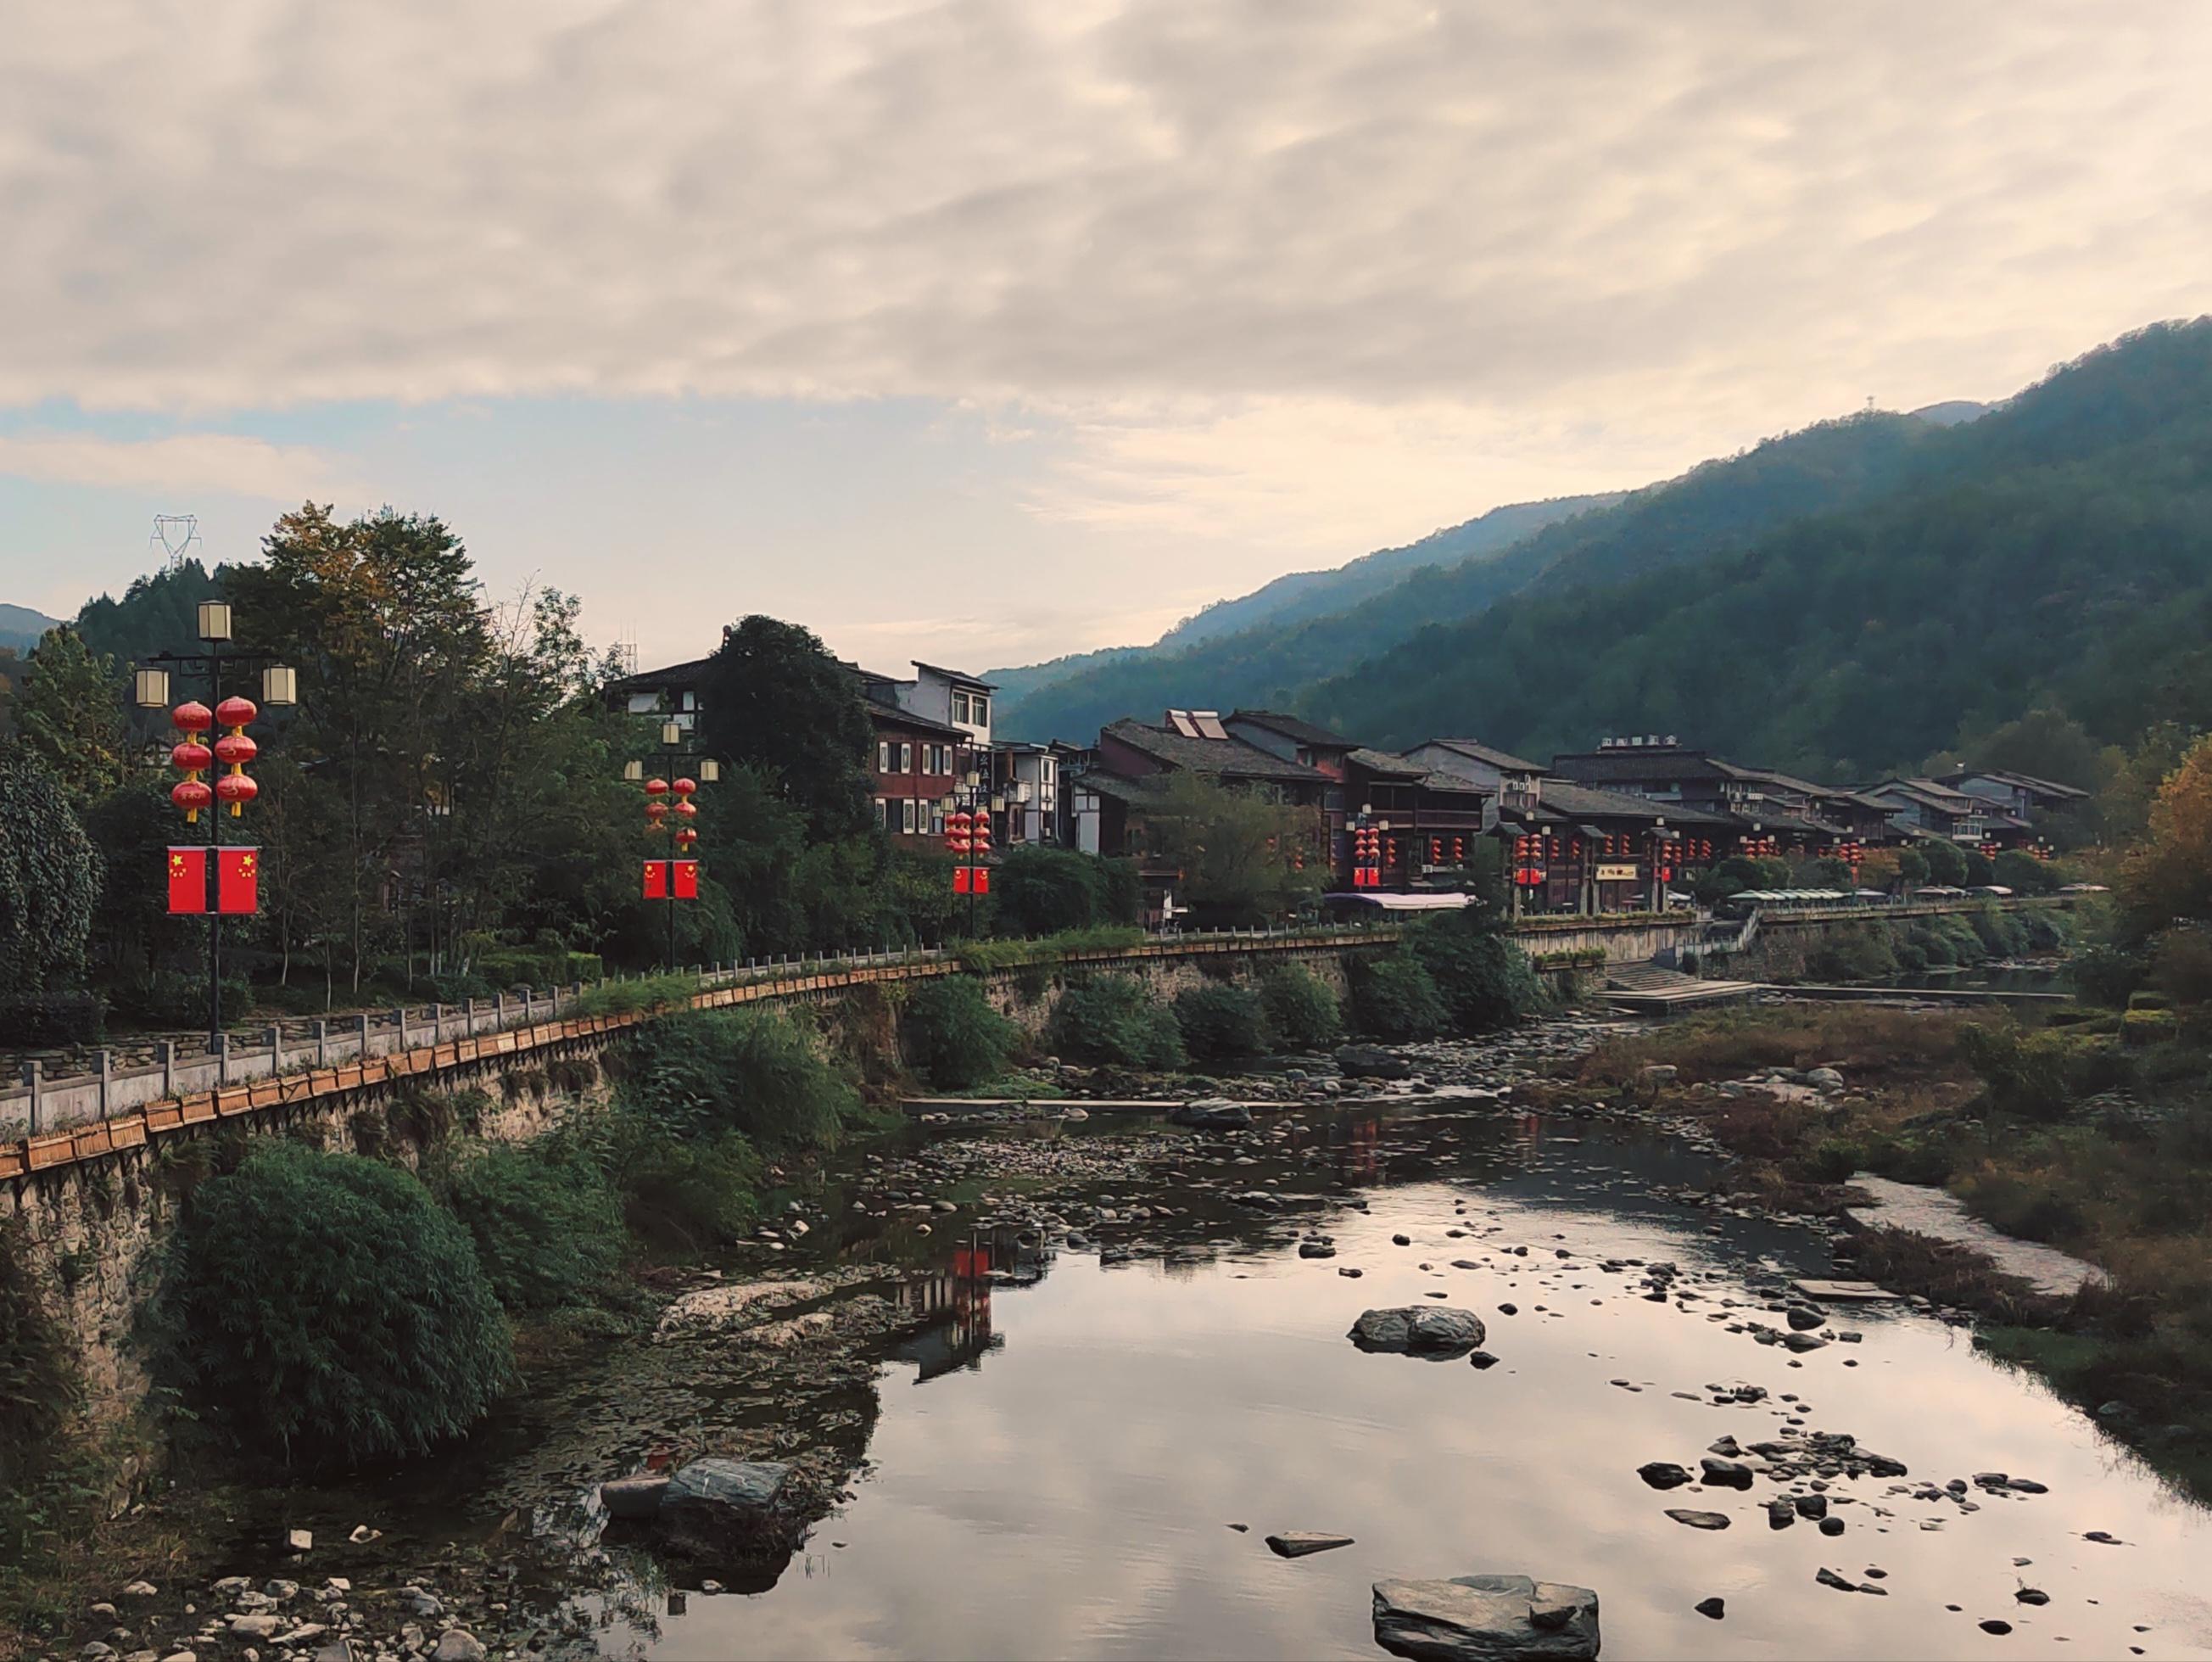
1054,1468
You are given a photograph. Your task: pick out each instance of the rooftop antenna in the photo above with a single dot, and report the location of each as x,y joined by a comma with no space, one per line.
178,536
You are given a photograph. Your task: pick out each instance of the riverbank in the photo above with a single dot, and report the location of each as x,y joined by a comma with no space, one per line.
2062,1135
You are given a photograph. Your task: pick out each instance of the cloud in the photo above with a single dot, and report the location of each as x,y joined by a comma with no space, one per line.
188,461
1490,205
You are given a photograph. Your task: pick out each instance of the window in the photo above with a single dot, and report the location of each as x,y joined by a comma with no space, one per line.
882,813
909,816
959,706
906,762
883,756
979,711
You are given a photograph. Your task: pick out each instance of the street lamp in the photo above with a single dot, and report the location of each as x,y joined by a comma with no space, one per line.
678,878
233,788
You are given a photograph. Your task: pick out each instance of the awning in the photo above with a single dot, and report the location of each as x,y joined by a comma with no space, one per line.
1389,902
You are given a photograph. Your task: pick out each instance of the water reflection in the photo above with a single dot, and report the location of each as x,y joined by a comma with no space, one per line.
1074,1497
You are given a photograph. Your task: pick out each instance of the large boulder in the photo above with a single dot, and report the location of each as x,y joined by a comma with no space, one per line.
719,1506
634,1500
1486,1618
1433,1330
1373,1062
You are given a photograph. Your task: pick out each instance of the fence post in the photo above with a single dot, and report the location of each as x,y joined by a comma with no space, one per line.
362,1055
219,1047
276,1048
322,1043
31,1079
106,1077
437,1022
469,1018
164,1052
399,1015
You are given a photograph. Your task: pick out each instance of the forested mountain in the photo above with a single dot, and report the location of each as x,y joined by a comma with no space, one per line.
1300,595
21,627
1720,504
2054,552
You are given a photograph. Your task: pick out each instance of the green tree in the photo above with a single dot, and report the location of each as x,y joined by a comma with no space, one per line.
49,880
954,1036
326,1306
2168,877
774,699
1039,889
1947,862
1483,979
1235,848
69,716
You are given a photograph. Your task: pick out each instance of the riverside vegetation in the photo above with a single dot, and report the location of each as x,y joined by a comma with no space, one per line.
462,1265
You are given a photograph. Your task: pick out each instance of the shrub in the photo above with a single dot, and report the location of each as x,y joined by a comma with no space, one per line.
700,1073
954,1036
1222,1022
2181,966
38,1018
1301,1008
2038,1075
1111,1021
2140,1026
1038,889
39,1376
545,1222
650,993
684,1193
1482,977
1393,997
326,1304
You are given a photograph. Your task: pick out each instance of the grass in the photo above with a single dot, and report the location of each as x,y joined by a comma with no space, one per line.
2123,1180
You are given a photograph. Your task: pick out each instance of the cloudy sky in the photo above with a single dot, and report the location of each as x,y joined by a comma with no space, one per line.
983,332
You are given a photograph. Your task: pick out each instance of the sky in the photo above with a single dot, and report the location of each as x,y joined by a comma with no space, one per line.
981,334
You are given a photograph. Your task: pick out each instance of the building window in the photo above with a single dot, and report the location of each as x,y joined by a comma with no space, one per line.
882,813
883,756
906,758
979,711
909,816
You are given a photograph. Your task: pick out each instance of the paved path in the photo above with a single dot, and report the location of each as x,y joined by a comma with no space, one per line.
1943,1216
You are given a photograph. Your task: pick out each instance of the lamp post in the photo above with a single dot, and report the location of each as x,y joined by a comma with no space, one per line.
233,789
678,806
967,810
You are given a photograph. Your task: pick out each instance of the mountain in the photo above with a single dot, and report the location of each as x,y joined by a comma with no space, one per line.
21,627
1303,595
2054,553
1298,597
1717,505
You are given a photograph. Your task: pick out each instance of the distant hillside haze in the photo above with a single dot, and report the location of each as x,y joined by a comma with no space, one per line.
1849,597
21,627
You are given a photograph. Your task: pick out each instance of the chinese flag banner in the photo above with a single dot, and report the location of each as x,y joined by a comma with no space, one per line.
656,879
960,879
982,885
687,878
237,880
187,880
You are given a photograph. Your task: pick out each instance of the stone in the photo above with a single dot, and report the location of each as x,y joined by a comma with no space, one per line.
1315,1249
1828,1578
1711,1609
420,1601
1780,1513
1726,1474
258,1625
634,1500
1663,1473
140,1590
1487,1618
1211,1114
1373,1062
1831,1526
1802,1317
299,1540
1298,1543
1994,1625
458,1645
1696,1519
715,1502
1414,1330
1482,1359
2032,1596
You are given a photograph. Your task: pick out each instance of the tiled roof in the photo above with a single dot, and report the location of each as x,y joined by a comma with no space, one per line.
886,713
1138,791
2029,783
1294,728
1231,758
1632,761
1578,800
1504,761
683,676
1390,766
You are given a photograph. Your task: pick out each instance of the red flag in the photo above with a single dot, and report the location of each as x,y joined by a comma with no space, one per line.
237,880
656,879
982,884
187,880
687,878
960,879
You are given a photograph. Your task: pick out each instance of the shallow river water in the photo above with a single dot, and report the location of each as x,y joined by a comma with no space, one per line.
1053,1470
1065,1485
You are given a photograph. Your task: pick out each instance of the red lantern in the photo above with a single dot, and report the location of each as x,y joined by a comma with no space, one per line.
655,812
192,717
192,797
236,712
684,787
686,808
237,790
233,750
655,788
191,756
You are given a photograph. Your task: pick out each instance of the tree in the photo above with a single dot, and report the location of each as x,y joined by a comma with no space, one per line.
2045,744
774,699
69,716
1041,890
50,879
2169,877
1234,848
1947,862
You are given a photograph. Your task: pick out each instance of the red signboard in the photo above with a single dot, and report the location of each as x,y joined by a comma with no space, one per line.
187,880
237,881
687,878
656,879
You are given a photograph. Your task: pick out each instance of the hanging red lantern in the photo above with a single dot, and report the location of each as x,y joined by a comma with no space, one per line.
655,788
236,790
233,750
191,756
684,787
193,716
192,797
654,813
686,808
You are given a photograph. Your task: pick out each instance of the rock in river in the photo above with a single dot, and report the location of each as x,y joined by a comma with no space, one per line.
714,1503
1663,1473
1728,1474
636,1499
1211,1114
1486,1618
1696,1519
1415,1331
1298,1543
1373,1062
